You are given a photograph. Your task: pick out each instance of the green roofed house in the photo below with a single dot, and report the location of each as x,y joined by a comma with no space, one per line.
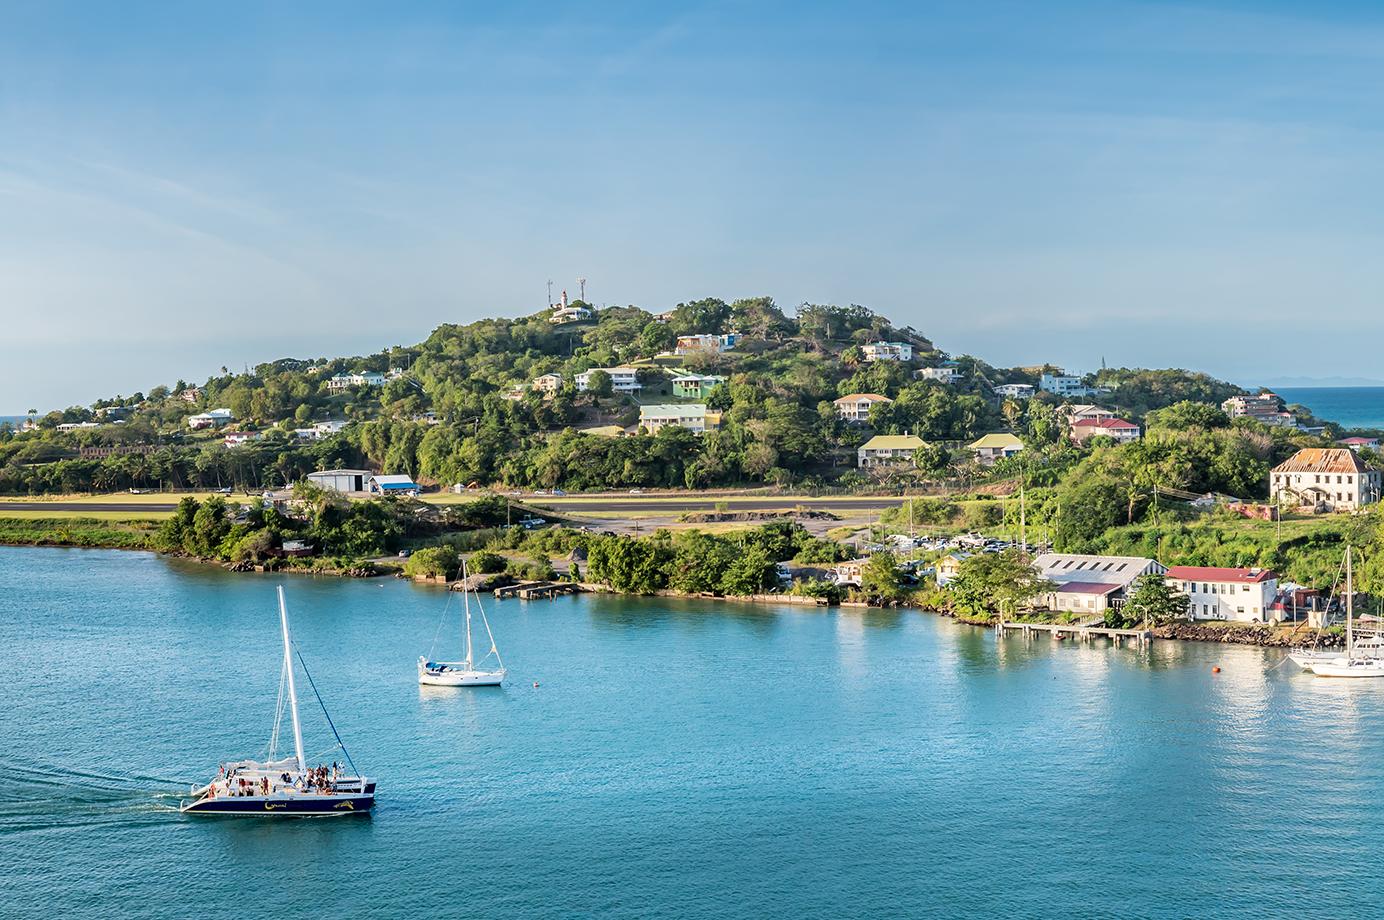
995,446
889,449
695,386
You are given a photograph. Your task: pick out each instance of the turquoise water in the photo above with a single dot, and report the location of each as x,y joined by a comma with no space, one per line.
676,760
1352,407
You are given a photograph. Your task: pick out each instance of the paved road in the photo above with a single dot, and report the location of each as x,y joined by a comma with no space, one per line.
570,504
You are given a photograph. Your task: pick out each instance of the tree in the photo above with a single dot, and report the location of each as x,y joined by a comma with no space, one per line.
879,577
750,572
996,583
1154,600
598,383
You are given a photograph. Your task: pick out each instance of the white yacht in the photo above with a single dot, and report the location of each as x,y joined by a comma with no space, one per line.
468,672
286,787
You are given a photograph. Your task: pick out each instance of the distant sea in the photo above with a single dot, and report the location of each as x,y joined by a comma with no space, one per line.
14,421
1349,407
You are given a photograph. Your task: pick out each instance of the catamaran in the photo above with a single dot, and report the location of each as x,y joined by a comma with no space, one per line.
467,672
286,786
1352,664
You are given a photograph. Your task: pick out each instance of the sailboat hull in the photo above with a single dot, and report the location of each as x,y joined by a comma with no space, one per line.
450,678
1340,667
282,806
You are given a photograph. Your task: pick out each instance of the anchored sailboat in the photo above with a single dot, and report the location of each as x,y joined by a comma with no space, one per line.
1352,664
286,786
467,672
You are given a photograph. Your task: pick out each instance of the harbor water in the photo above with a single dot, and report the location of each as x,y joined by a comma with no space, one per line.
657,758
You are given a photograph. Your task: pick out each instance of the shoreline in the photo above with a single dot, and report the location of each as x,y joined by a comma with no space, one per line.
1262,636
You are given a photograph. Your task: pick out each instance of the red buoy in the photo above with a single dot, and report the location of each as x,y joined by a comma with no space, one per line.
1216,670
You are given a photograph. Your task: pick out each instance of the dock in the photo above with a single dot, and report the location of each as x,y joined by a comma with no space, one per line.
1085,634
537,590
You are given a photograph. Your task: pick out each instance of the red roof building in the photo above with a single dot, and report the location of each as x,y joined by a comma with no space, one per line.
1219,593
1116,428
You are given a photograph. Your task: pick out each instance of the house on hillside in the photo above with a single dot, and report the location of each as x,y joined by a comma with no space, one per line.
1091,584
546,383
395,484
213,419
622,379
995,446
1015,391
564,313
1264,407
889,450
695,386
341,480
705,343
692,416
343,382
1335,478
191,394
856,406
887,351
240,438
1063,384
1358,443
946,374
1122,431
1215,593
1081,412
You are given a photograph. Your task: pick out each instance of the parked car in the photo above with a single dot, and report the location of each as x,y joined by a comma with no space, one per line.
636,491
559,492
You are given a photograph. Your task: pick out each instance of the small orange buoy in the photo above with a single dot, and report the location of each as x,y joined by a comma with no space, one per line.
1216,669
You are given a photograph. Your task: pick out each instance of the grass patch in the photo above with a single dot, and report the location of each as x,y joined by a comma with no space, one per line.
83,514
78,531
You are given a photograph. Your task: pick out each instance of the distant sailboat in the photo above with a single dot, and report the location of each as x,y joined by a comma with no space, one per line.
467,672
1352,664
285,787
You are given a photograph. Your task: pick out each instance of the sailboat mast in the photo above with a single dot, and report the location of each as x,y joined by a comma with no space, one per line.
466,599
292,689
1350,606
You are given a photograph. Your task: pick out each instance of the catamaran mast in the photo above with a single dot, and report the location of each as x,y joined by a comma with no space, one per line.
292,690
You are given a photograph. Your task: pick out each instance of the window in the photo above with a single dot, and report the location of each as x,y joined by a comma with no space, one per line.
1244,589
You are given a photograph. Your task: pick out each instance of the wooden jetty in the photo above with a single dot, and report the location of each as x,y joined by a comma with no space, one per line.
537,590
1086,634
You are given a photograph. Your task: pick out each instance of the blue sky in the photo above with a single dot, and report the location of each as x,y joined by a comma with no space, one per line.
186,186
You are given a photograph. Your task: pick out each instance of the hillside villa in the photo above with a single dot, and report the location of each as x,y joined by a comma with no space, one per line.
947,375
1265,407
1333,478
623,379
343,382
695,386
1015,391
856,406
1360,443
564,313
708,343
546,383
1063,384
995,446
1243,595
692,416
887,351
889,450
1117,428
1082,412
213,419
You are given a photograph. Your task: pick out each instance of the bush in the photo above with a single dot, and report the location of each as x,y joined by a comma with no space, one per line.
432,561
487,563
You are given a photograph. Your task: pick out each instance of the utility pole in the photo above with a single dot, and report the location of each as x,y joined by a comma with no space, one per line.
550,293
1023,521
581,283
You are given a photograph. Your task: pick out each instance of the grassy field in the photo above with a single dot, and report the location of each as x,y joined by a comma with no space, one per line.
77,531
117,498
78,513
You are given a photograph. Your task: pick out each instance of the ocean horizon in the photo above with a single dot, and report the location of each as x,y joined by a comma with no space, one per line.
1349,407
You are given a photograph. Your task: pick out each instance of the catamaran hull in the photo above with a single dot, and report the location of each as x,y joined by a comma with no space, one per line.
280,807
462,679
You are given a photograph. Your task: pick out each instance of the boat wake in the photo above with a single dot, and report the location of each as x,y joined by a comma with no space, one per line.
40,795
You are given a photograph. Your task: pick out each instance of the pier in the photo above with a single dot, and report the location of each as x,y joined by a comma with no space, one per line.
1086,634
537,590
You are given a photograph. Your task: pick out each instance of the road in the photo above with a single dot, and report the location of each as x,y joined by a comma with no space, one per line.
573,504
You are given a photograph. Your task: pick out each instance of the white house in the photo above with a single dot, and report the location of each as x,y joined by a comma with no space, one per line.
1091,584
341,480
547,383
995,446
319,430
213,419
947,375
77,426
888,450
1064,385
1332,476
1359,443
856,406
887,351
1243,595
1265,407
1080,412
848,572
564,312
1014,391
342,382
240,438
692,416
622,379
392,485
705,342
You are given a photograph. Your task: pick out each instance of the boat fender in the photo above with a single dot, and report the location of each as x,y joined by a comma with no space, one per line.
1216,669
535,685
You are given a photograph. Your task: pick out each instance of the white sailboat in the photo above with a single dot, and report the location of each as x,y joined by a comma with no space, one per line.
1352,664
467,672
286,786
